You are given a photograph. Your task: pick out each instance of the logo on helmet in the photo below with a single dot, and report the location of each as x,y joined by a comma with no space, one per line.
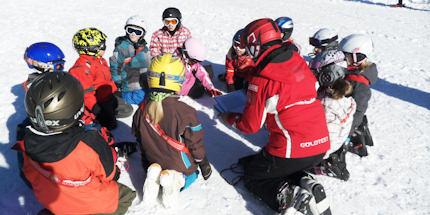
40,120
79,113
253,46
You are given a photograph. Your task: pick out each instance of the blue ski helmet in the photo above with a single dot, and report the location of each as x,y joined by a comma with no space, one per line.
286,25
44,57
236,38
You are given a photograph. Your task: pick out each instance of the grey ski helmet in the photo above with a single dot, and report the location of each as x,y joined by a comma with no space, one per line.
54,102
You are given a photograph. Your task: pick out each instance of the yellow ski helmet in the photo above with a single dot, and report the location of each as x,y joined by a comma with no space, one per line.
166,72
89,41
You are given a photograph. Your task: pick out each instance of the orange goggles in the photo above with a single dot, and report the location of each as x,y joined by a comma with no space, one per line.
172,21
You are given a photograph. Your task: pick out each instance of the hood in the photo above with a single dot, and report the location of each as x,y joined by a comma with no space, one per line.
51,148
371,73
290,66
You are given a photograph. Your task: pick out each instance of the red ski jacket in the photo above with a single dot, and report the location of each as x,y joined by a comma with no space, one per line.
282,95
94,74
76,175
236,66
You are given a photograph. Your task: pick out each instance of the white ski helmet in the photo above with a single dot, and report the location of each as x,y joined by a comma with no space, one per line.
357,43
324,38
136,20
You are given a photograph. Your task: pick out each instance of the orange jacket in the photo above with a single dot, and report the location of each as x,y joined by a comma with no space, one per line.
94,74
84,158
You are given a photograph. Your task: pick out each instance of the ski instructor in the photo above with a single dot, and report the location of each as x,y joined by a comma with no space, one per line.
282,96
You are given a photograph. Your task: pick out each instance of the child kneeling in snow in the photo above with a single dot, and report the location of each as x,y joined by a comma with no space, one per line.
169,134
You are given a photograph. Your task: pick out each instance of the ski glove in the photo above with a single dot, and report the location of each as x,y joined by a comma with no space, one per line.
205,167
215,92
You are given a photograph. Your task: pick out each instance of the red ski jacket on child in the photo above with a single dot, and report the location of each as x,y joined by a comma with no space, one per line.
237,66
94,74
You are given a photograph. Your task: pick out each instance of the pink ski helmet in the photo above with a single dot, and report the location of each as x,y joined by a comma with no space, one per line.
195,49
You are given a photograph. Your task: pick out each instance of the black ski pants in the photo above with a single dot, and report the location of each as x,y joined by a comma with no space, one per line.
264,174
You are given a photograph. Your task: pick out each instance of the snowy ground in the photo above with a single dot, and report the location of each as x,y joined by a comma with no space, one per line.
393,179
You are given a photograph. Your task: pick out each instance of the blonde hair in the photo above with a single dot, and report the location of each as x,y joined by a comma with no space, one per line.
340,88
154,110
365,65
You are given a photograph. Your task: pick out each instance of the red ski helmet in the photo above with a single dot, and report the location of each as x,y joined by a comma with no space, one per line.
258,33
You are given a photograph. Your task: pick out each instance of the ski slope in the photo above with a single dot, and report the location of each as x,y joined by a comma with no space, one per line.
393,179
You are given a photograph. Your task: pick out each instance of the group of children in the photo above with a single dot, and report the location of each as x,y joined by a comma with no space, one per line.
70,114
343,74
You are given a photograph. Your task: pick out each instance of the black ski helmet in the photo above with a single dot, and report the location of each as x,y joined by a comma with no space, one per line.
54,102
172,12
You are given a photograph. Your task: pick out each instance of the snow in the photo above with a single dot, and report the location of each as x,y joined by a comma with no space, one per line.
393,179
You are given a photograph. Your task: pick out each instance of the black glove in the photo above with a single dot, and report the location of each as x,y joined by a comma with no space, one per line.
205,167
230,88
125,148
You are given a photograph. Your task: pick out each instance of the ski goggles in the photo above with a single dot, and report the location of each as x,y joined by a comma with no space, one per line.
134,30
57,65
237,47
172,21
318,43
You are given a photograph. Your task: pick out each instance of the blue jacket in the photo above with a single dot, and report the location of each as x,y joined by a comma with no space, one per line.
127,66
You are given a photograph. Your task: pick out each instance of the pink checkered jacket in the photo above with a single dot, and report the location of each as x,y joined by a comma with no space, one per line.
163,42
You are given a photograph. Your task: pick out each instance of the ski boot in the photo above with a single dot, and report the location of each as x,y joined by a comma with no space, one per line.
357,144
172,181
333,166
364,128
319,203
152,184
293,200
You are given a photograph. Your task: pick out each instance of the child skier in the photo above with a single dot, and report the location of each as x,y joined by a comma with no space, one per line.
71,170
237,65
92,70
171,36
339,110
286,25
42,57
323,40
361,74
198,81
288,108
130,61
169,134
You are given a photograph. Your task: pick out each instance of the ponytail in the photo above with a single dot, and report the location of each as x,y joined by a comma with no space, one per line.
154,108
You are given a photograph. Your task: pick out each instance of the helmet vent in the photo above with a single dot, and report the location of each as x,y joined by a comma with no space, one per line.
47,103
60,96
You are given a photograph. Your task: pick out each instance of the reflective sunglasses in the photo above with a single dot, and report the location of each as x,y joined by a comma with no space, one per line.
172,21
102,46
57,65
236,46
137,31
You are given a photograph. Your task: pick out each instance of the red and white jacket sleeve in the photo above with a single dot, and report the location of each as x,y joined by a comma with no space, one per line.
254,114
